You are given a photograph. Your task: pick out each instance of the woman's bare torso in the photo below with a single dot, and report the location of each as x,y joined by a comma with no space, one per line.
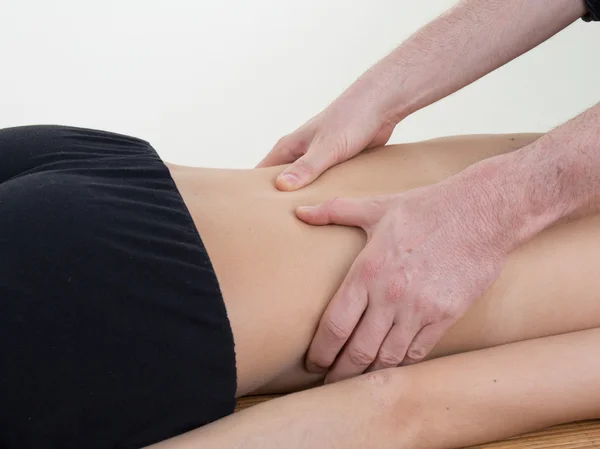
277,274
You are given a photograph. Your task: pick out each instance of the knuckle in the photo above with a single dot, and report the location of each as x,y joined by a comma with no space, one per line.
332,203
360,357
288,145
340,151
380,201
335,330
304,165
319,361
420,309
332,206
393,292
417,353
294,145
282,142
337,147
388,359
370,269
446,314
408,361
441,311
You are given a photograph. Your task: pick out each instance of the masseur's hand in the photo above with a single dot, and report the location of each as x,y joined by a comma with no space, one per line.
470,40
430,253
355,121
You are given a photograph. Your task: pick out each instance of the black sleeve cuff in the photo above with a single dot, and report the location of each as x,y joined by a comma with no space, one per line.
593,13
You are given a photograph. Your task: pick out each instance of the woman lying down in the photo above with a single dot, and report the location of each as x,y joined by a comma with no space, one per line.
139,298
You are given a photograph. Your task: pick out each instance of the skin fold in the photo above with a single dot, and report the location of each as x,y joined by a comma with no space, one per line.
277,275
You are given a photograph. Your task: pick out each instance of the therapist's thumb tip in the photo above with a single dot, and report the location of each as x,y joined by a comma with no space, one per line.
288,180
303,171
312,215
305,211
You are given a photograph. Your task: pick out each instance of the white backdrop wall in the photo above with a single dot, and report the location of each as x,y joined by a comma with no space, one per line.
216,83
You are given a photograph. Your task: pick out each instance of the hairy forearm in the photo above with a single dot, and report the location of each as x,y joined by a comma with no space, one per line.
554,179
470,40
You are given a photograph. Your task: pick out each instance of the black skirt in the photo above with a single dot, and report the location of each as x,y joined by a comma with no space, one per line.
113,330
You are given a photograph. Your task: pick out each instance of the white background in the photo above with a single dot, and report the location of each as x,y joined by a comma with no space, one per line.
216,83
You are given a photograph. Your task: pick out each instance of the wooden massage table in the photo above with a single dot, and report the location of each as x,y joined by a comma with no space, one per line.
567,436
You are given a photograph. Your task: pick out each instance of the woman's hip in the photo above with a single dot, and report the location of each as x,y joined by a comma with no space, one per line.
113,328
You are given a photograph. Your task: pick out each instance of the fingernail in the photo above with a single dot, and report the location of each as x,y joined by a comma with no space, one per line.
315,369
291,179
305,208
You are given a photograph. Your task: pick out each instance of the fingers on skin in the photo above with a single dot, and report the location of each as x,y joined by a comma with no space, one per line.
424,342
306,169
323,152
360,212
342,211
337,323
394,347
363,346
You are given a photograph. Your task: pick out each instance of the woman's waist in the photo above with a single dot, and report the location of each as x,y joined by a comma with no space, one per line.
276,273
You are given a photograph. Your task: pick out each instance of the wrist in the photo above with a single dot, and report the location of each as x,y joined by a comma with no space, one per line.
531,189
377,97
388,78
489,220
559,176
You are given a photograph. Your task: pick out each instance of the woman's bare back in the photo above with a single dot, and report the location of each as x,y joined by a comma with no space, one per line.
277,274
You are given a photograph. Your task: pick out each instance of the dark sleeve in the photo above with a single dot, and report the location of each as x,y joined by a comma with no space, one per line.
593,13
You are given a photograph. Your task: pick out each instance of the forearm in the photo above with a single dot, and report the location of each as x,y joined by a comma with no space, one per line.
553,179
496,393
450,402
353,414
470,40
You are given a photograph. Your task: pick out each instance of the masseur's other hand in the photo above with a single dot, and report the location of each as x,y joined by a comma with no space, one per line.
430,253
352,123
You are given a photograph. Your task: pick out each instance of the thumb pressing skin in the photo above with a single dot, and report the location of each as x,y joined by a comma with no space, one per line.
305,170
341,211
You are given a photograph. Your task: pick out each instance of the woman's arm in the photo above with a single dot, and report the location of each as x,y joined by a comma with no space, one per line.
449,402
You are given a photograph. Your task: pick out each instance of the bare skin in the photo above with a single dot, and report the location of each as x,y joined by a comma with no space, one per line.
467,225
450,402
263,257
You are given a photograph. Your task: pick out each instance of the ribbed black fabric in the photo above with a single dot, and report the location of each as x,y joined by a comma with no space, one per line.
113,331
593,13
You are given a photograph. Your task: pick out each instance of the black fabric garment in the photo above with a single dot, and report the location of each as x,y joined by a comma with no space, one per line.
113,331
593,13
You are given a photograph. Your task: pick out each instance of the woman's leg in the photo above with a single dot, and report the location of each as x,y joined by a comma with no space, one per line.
449,402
